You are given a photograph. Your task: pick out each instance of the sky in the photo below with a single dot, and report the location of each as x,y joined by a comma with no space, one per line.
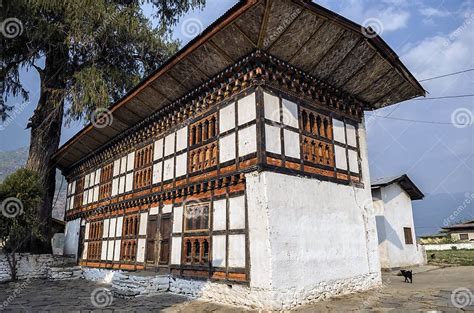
431,140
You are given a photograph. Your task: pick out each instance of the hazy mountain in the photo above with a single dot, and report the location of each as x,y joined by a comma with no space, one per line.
10,161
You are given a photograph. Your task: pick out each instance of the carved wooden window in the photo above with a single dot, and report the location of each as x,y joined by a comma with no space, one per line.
94,247
130,225
408,236
79,190
128,249
203,130
203,157
105,189
196,217
143,167
316,124
318,152
196,250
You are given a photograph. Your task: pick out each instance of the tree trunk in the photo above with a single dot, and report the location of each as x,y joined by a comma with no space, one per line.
45,135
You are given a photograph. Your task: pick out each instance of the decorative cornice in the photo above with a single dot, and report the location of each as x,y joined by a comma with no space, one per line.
255,69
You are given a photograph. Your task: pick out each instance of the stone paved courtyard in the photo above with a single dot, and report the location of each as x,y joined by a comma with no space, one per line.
431,290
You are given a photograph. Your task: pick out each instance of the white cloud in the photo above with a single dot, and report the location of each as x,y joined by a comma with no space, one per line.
433,12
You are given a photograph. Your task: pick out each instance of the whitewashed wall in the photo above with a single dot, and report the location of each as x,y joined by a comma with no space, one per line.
306,233
397,214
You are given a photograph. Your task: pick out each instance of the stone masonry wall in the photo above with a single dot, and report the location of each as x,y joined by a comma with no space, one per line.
32,265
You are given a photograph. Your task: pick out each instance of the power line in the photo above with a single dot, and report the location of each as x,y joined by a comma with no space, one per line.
446,75
444,97
410,120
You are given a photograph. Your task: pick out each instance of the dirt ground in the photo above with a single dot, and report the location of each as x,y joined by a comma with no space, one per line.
432,290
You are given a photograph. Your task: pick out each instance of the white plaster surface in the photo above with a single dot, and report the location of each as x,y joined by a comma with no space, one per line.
236,257
181,164
117,249
271,107
143,223
110,249
168,171
247,140
158,149
218,250
157,172
141,250
86,235
182,138
351,135
105,232
247,109
71,232
353,161
272,139
338,130
116,167
169,144
123,164
129,182
153,211
119,226
289,113
130,161
237,212
178,219
219,217
167,208
227,148
113,227
292,143
176,250
227,118
341,158
103,254
115,182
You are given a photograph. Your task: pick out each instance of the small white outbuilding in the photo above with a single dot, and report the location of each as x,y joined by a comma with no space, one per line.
392,198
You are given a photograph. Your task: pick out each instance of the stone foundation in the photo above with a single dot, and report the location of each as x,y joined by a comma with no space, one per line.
274,299
32,265
65,273
130,284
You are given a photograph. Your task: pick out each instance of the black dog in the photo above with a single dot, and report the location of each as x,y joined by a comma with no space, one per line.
408,276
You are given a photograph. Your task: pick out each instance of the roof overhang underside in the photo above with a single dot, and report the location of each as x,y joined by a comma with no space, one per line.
308,36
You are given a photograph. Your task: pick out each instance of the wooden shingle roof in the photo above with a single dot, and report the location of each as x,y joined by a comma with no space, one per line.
299,32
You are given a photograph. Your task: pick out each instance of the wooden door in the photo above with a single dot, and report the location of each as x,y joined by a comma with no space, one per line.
165,233
151,239
82,234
